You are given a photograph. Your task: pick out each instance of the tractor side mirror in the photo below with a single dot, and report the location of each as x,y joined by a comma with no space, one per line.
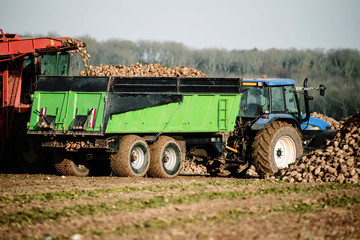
305,82
322,90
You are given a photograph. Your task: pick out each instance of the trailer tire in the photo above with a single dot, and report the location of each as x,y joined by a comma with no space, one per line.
66,166
133,157
275,147
166,158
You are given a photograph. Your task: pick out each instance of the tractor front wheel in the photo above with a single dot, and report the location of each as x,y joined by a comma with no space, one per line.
275,147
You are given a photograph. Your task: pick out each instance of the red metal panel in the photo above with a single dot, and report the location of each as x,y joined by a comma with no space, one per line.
5,87
28,45
4,105
11,93
16,74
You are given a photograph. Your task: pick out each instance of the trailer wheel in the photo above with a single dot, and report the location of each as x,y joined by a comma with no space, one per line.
166,158
66,166
275,147
133,157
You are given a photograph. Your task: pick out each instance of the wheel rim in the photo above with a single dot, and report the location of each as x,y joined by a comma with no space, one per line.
169,159
137,158
284,152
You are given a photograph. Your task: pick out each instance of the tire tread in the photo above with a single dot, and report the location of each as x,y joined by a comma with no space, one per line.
119,162
261,146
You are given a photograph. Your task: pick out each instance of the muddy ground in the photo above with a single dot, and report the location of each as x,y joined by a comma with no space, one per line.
187,207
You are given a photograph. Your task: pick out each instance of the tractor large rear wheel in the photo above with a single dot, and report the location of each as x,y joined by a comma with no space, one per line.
275,147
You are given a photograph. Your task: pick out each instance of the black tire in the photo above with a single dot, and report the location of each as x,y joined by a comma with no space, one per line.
166,158
275,147
23,152
133,157
64,163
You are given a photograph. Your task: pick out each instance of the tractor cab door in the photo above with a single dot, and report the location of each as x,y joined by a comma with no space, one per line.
284,100
254,102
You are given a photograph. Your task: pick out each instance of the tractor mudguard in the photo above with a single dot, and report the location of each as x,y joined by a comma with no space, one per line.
266,120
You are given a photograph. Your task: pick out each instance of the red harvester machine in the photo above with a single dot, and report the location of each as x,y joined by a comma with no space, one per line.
21,60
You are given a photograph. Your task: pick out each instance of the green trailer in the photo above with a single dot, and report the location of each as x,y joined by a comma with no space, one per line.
142,125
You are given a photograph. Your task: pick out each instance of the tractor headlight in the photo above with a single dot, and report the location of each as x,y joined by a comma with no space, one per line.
315,128
312,127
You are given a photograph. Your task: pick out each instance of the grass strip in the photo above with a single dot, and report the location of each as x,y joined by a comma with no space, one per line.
39,215
302,207
76,194
298,207
315,188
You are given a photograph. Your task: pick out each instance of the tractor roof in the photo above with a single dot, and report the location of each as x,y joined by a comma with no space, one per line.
271,81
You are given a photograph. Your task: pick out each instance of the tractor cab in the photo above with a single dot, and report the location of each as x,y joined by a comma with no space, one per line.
270,119
267,100
268,96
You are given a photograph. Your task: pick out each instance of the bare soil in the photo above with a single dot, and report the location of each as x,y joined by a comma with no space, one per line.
186,207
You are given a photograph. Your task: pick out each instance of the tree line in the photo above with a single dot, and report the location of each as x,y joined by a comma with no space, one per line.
337,69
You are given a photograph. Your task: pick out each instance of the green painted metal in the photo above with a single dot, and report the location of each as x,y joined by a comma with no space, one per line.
65,106
197,113
55,64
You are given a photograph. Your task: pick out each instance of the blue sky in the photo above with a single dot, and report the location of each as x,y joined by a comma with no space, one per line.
229,24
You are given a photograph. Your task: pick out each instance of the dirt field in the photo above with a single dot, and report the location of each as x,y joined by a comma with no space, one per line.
187,207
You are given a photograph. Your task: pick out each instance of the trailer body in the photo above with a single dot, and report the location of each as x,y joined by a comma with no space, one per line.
137,112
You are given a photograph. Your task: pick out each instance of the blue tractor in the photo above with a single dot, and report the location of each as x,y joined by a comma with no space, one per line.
270,133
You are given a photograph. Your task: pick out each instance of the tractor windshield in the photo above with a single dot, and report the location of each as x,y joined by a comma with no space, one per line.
254,102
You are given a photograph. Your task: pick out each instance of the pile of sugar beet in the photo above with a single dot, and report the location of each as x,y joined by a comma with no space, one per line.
338,161
139,70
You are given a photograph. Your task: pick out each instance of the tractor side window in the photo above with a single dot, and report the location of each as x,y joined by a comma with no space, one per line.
254,102
277,99
290,97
